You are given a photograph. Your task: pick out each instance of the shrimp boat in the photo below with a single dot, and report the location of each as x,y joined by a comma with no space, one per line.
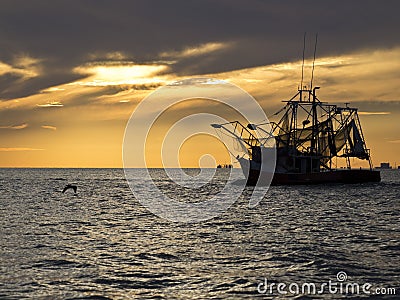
308,142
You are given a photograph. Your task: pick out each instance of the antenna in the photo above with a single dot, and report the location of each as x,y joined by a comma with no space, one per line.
313,63
302,67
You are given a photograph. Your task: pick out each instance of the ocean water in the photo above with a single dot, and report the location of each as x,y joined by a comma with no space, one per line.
103,244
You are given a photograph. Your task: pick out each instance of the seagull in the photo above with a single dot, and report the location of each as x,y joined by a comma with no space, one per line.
70,186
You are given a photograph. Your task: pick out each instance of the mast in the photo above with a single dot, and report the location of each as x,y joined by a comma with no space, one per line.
313,64
302,67
314,116
314,137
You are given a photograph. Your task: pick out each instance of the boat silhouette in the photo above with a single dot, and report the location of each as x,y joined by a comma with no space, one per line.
307,139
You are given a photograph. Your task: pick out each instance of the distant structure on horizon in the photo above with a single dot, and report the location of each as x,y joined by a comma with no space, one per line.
225,166
385,165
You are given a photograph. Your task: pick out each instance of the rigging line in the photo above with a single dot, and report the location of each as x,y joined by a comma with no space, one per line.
313,64
266,121
219,133
302,66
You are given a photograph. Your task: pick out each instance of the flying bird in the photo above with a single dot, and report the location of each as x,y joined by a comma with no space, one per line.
70,186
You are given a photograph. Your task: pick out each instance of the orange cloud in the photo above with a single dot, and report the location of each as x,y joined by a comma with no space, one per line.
370,113
49,127
19,149
15,127
196,51
51,104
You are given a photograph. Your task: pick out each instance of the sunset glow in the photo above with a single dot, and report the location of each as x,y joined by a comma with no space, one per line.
111,90
73,102
114,74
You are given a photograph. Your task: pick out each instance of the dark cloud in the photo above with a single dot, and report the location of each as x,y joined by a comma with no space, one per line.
378,106
20,88
63,34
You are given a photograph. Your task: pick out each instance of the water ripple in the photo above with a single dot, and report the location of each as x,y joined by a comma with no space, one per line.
102,244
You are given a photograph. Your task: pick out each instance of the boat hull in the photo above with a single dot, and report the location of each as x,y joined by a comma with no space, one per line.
335,176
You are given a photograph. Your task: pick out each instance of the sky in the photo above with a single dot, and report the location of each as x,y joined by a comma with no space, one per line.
72,72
